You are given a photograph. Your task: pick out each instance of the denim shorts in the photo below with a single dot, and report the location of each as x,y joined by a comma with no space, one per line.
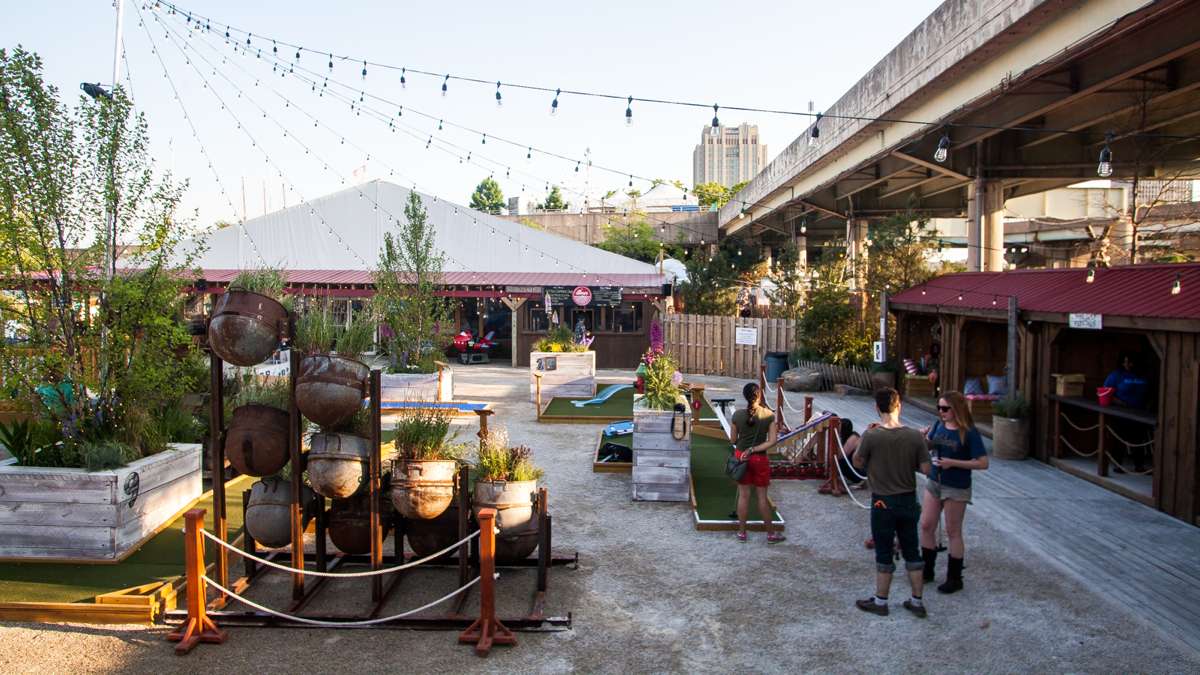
944,492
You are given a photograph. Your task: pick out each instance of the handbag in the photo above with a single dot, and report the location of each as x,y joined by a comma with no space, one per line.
736,468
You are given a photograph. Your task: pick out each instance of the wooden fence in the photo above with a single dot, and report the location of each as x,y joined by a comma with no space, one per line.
831,375
707,345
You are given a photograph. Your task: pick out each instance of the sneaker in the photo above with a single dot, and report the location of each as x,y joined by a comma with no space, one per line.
741,537
775,538
868,605
917,611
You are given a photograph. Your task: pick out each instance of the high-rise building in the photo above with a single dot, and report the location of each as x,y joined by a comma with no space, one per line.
728,157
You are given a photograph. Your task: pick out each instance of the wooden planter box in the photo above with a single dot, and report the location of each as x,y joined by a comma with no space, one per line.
400,387
74,515
661,463
566,374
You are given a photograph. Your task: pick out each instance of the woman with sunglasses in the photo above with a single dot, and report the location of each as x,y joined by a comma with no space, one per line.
957,450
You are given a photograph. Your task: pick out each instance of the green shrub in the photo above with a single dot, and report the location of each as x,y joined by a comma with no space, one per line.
358,338
263,390
662,393
267,281
107,455
180,426
314,332
497,461
424,433
559,339
1013,406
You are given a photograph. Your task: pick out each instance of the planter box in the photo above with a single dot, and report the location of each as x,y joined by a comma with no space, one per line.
74,515
1010,437
661,463
437,386
567,374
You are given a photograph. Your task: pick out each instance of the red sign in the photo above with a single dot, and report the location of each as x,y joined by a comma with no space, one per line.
582,295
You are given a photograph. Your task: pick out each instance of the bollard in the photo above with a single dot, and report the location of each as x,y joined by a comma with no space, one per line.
487,629
198,627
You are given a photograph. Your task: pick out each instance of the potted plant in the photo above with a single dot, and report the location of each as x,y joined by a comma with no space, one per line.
506,480
256,437
1010,427
331,385
248,319
662,422
426,463
566,367
339,456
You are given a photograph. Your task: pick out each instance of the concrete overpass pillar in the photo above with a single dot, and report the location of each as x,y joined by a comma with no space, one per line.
856,253
985,226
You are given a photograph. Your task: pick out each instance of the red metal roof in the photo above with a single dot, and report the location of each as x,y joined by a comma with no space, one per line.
1131,290
352,277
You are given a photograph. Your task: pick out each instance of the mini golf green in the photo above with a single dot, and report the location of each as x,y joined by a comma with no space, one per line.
714,493
619,407
159,559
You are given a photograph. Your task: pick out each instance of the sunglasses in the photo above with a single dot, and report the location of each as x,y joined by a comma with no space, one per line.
943,408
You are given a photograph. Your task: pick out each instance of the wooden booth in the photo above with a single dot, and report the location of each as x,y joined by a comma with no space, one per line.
1071,327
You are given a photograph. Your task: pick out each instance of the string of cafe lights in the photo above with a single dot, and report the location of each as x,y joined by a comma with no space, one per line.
1104,165
376,206
462,154
422,136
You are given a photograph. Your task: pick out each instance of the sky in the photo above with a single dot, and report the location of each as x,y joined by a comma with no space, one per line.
252,124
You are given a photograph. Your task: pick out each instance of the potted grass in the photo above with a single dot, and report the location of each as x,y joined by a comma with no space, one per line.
256,438
566,367
662,422
331,384
506,480
248,319
425,465
1010,427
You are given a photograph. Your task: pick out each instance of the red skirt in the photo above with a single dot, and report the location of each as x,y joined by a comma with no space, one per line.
758,471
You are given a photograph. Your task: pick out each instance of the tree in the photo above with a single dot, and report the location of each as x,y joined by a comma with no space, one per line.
222,224
554,201
715,194
787,298
714,282
830,329
635,241
488,197
410,267
902,253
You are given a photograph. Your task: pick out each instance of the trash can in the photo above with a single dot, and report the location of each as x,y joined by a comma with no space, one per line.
776,363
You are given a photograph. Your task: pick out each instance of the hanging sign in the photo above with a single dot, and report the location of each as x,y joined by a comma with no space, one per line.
593,296
1085,321
878,344
582,296
745,336
548,303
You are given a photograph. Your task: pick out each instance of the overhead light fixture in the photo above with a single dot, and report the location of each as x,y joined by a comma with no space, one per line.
1177,286
1105,168
943,150
1091,274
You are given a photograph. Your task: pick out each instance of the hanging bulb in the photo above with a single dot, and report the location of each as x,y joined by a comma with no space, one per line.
248,39
816,130
629,112
803,229
331,62
499,100
298,54
960,297
554,103
576,167
483,141
742,214
943,150
715,129
529,153
364,70
1105,168
445,82
403,81
400,112
1177,285
630,180
1091,275
507,172
439,125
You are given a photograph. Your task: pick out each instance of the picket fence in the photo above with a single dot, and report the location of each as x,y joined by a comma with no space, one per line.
706,345
831,374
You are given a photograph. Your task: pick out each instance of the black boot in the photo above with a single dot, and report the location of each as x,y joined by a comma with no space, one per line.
929,555
954,580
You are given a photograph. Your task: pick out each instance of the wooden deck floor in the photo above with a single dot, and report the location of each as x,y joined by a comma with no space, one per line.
1144,560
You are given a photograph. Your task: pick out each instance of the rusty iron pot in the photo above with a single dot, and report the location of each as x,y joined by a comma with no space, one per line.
245,327
422,489
338,464
350,524
427,537
516,518
256,443
330,388
269,511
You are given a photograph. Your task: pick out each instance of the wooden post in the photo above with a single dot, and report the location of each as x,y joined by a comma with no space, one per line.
376,476
1010,365
832,454
198,627
808,401
483,424
883,324
487,629
778,402
297,461
1057,429
216,454
1102,463
544,549
514,306
437,394
537,379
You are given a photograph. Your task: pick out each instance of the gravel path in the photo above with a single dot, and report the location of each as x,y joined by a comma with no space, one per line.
652,595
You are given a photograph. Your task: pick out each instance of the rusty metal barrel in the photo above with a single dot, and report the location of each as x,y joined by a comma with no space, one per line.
330,388
245,327
516,518
338,464
350,524
427,537
256,442
269,511
423,488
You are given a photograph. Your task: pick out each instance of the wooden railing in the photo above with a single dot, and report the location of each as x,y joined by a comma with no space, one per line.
831,374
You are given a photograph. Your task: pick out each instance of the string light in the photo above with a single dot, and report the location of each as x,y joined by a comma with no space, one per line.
816,129
554,103
629,112
943,150
1177,285
716,123
364,70
1105,169
403,80
331,62
445,84
499,100
1091,274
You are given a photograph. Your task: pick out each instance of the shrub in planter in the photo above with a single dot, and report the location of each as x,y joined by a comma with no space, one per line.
559,339
330,386
426,464
506,480
1010,427
247,319
256,439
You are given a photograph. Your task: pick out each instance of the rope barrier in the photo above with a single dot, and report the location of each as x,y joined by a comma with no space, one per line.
1077,427
771,390
342,575
341,624
846,484
842,449
790,406
1117,464
1127,443
1081,454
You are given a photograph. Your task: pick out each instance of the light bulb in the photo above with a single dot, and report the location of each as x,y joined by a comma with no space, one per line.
715,129
1177,286
1105,168
943,150
629,112
403,79
445,82
1091,275
554,103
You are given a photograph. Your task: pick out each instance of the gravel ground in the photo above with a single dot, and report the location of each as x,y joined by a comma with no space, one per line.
652,595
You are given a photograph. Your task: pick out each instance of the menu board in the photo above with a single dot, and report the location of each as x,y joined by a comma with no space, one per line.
602,296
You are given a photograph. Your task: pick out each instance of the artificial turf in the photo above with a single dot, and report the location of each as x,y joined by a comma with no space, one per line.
159,559
620,406
714,492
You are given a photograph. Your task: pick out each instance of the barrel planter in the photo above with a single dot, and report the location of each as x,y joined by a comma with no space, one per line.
422,489
1010,437
564,374
350,524
269,511
330,388
338,464
245,327
256,443
427,537
515,517
660,461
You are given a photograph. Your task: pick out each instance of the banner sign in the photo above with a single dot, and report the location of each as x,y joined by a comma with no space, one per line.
591,296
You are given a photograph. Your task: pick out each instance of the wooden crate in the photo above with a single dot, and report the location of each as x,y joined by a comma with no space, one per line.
564,374
1068,384
918,385
661,463
102,516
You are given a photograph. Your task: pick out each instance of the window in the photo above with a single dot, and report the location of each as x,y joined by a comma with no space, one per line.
627,318
538,320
